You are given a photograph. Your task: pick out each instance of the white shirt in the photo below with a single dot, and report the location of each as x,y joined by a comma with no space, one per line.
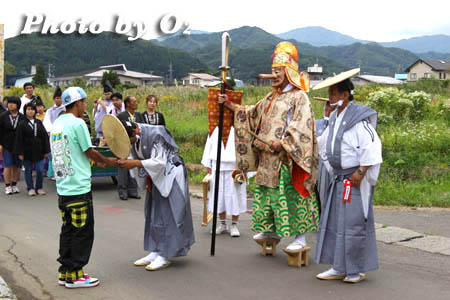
360,146
24,100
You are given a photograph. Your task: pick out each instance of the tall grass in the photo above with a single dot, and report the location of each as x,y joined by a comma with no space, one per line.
416,151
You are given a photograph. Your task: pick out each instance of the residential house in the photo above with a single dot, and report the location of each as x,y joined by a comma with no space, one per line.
199,79
429,68
94,77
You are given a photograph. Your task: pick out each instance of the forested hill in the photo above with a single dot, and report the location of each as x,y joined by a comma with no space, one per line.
74,53
251,49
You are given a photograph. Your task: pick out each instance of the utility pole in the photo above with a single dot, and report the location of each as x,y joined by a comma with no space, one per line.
170,74
50,71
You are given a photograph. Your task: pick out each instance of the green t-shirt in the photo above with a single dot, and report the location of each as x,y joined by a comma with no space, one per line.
69,139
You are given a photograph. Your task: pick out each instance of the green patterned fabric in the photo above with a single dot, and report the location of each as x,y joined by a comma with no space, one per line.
283,210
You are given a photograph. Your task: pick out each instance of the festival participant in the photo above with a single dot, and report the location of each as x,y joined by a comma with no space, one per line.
118,105
151,116
130,114
169,229
55,111
232,198
351,152
50,116
29,96
284,153
322,173
71,151
8,126
126,184
102,107
32,146
40,110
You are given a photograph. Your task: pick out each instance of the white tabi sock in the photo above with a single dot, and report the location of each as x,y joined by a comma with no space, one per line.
353,277
330,272
147,259
159,263
301,238
152,256
298,243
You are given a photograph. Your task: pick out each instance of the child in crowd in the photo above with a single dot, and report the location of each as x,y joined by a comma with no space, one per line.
32,146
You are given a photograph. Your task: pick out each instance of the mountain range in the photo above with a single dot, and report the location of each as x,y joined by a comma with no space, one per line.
320,36
251,49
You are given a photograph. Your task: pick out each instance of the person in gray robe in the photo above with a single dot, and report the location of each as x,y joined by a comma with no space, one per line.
350,150
323,177
169,228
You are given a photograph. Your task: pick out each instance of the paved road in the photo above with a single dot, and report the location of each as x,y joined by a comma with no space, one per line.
29,229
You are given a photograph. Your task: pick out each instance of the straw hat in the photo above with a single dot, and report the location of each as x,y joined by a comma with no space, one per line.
116,136
336,79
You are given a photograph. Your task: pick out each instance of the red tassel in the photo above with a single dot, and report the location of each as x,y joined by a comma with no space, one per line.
346,197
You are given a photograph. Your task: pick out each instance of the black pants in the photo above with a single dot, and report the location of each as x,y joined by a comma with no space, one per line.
77,235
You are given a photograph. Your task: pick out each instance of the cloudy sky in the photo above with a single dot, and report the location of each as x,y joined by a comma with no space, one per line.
381,20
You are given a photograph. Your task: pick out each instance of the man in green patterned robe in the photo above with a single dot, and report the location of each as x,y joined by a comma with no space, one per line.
276,137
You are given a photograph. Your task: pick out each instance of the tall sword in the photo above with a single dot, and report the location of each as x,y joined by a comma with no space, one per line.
223,68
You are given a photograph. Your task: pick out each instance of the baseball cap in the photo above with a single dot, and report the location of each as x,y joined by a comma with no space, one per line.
73,94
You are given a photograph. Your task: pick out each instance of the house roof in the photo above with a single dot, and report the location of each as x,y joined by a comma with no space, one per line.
120,69
133,74
202,76
10,80
379,79
435,64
